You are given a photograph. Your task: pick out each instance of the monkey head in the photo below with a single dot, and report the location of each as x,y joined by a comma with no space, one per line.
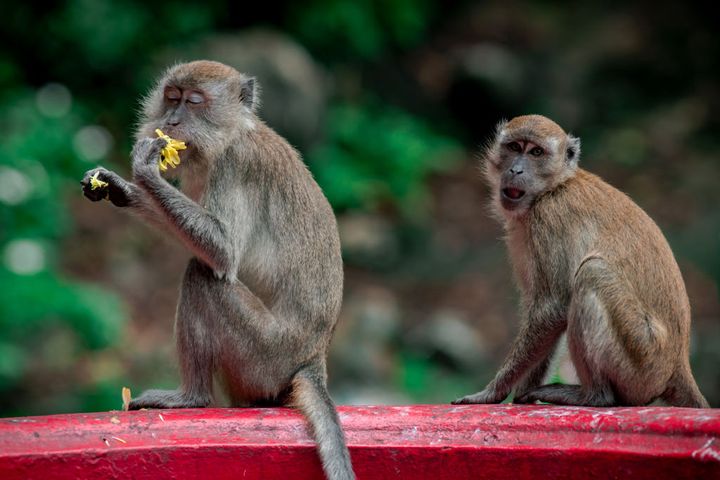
205,104
529,156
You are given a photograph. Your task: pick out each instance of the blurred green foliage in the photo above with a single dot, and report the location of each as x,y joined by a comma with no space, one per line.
342,31
375,155
37,167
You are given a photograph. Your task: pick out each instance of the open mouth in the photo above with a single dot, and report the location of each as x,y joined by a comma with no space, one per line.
513,193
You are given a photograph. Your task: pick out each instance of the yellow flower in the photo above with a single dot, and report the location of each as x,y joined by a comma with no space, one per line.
169,155
96,183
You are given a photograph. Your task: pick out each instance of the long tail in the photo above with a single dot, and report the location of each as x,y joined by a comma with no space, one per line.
310,395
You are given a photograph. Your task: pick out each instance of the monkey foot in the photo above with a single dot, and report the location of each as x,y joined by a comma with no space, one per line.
168,399
484,396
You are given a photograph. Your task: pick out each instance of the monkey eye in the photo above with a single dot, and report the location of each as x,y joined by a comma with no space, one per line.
537,151
173,94
514,146
195,98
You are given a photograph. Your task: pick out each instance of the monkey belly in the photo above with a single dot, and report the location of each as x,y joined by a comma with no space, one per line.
255,353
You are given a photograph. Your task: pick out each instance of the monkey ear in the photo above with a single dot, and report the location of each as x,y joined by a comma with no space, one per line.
249,93
572,154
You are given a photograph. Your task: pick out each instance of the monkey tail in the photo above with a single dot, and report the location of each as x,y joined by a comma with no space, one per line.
310,395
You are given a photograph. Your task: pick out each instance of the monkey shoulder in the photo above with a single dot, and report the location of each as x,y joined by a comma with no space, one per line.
586,201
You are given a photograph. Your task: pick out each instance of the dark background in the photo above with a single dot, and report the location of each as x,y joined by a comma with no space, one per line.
389,102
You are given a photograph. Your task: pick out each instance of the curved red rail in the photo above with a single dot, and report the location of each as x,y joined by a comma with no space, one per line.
413,442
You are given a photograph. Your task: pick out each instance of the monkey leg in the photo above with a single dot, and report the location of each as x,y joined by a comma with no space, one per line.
195,347
617,346
265,360
533,379
310,395
195,354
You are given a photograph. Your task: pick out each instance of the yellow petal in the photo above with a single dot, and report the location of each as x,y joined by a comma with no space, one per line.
177,144
126,397
96,183
174,158
169,154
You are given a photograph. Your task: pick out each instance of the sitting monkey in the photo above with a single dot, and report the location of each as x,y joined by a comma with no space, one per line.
590,263
262,293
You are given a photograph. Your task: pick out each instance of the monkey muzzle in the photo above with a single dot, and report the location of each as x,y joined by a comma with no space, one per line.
512,197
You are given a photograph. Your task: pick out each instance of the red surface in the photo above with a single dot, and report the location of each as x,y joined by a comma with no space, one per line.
416,442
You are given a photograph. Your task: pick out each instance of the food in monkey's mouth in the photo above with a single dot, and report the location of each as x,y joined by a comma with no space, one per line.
169,155
513,193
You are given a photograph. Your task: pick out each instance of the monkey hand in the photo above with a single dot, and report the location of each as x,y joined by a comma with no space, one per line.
100,183
145,157
488,395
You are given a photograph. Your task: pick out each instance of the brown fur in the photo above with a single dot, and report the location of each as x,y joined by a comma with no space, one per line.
589,262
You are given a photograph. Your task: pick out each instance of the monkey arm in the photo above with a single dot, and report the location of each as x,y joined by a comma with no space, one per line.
534,343
202,232
538,335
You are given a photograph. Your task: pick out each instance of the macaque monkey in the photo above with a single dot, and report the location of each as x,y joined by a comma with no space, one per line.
262,293
591,263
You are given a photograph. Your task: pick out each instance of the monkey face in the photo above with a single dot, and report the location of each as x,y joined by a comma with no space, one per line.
181,108
522,167
203,104
530,156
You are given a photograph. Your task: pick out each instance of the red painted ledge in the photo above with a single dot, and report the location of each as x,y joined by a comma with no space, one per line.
414,442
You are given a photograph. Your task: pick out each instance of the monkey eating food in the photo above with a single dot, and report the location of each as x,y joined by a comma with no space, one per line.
591,263
262,293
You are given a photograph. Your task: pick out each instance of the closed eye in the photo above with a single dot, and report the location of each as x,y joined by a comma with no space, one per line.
195,98
173,94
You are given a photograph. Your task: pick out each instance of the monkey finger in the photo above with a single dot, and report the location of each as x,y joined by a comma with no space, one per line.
154,148
146,153
160,142
94,195
89,174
